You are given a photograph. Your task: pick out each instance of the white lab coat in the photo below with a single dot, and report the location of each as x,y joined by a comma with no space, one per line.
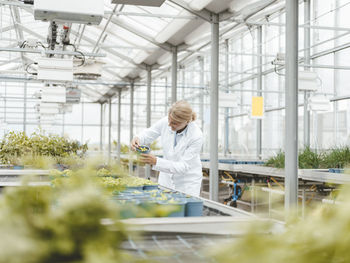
181,167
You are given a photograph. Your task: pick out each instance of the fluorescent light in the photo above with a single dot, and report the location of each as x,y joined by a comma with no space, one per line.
139,2
198,5
172,28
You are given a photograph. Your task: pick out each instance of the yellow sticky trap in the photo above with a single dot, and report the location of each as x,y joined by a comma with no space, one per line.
257,107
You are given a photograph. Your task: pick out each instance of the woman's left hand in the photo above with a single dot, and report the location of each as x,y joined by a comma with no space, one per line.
148,159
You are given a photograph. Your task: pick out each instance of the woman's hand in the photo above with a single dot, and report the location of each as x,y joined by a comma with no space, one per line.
148,159
135,143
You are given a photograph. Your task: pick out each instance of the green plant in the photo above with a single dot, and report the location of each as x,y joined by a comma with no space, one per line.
276,161
16,145
336,158
154,146
323,237
41,224
309,159
123,147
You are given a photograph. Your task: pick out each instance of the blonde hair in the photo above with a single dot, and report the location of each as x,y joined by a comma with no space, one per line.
181,111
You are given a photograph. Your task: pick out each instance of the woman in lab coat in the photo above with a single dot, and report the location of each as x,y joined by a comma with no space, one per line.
181,140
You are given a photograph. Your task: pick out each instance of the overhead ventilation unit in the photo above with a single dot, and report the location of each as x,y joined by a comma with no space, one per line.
139,2
55,69
73,95
319,102
308,81
45,108
78,11
91,70
53,94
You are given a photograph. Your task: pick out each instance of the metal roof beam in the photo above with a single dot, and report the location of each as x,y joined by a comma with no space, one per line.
204,14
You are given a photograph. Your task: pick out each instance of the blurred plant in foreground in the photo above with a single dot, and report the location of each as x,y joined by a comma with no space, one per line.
323,237
41,224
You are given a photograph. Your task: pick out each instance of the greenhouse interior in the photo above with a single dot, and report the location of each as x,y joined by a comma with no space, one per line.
174,130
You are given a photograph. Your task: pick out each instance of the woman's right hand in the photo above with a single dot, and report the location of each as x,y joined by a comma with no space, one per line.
135,143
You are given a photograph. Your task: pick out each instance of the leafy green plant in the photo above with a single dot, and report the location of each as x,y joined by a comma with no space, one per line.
16,145
276,161
123,147
309,159
42,224
336,158
323,237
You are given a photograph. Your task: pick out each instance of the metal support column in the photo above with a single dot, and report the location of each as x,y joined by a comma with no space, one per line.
149,89
201,65
101,128
25,107
226,135
166,97
109,129
119,123
336,74
174,76
214,110
131,130
307,17
259,87
291,97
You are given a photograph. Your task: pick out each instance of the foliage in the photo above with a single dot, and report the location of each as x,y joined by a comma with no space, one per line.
16,145
309,159
39,224
323,237
126,181
123,147
336,158
276,161
154,146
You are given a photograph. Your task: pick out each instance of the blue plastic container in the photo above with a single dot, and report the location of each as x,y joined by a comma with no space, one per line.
150,187
139,149
193,207
179,207
130,188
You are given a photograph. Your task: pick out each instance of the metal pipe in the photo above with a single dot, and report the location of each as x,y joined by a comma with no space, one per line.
119,121
291,128
214,110
174,76
101,127
104,29
109,129
259,93
307,60
48,52
131,131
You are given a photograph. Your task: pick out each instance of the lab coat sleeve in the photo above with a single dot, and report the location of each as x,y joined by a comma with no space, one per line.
185,162
152,133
